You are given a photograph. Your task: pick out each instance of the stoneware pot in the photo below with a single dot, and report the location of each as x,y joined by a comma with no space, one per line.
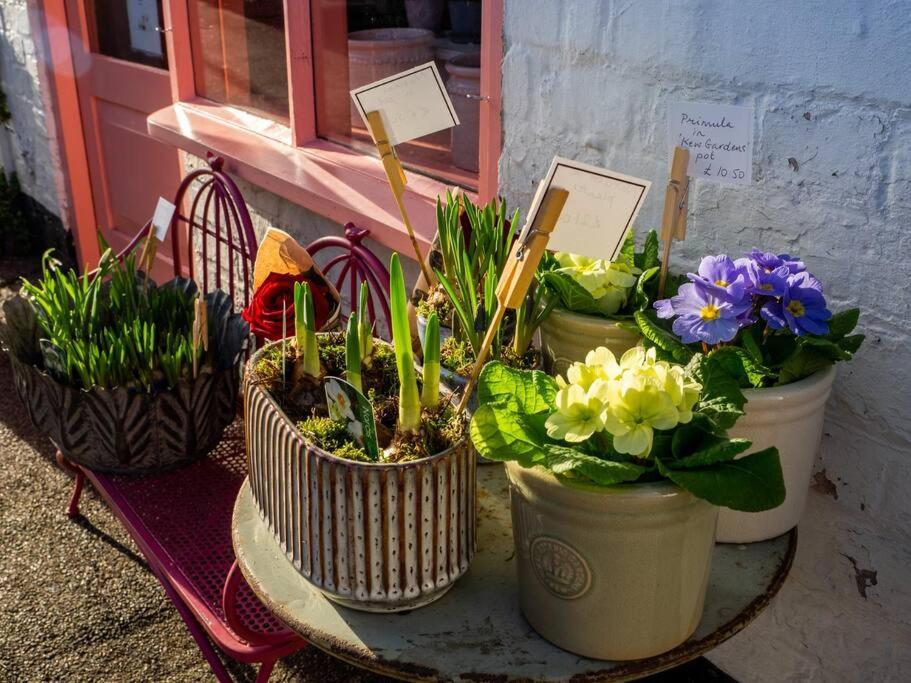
567,337
380,52
464,86
614,573
373,537
445,330
790,418
426,14
128,431
465,17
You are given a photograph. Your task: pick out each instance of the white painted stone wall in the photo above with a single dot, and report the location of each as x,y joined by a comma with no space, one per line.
831,85
27,142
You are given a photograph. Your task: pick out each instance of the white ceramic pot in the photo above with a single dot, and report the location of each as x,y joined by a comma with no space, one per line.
567,337
790,418
380,52
613,573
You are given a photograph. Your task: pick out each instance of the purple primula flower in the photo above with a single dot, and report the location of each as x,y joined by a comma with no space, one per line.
769,261
703,315
802,308
763,281
721,276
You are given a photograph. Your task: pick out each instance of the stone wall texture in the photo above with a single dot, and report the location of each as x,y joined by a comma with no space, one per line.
831,86
28,140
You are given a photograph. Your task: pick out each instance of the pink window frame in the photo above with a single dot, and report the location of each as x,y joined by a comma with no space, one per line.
291,161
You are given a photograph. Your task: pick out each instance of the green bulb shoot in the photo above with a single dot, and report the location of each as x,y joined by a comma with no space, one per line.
353,354
409,401
364,329
430,395
305,330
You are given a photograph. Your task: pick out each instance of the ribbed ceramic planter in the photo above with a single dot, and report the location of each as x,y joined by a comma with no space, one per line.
376,53
613,573
567,337
373,537
790,418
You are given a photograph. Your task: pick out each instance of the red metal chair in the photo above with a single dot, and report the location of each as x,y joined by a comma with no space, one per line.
181,520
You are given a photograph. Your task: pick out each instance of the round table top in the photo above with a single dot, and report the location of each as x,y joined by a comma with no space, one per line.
476,631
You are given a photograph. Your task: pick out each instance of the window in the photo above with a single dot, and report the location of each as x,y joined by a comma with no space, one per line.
265,84
128,31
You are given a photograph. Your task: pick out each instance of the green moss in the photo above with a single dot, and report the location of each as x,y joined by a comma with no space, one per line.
351,452
436,301
456,356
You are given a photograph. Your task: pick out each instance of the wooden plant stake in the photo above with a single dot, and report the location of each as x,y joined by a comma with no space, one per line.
517,275
395,174
676,198
200,331
149,249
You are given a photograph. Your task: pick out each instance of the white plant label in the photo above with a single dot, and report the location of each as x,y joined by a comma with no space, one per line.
161,219
601,207
413,103
719,138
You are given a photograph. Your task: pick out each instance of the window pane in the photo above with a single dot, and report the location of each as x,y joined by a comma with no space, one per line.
360,41
239,53
129,30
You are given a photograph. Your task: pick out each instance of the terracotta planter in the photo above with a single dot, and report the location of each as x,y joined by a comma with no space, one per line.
128,431
464,86
614,573
373,537
377,53
567,337
427,14
790,418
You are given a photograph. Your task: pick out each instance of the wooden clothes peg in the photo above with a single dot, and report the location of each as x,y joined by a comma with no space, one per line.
395,174
676,204
517,275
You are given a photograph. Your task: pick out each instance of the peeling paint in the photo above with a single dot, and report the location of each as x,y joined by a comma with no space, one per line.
824,485
865,577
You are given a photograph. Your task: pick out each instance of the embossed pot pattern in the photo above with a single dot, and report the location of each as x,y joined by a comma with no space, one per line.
614,573
567,337
373,537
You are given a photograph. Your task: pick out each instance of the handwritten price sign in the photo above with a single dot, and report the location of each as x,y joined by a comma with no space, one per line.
719,138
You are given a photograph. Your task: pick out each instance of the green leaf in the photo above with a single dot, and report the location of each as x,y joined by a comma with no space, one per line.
843,323
741,366
524,391
664,340
565,461
721,399
650,256
720,451
646,289
627,253
751,343
750,484
572,295
851,343
804,362
500,433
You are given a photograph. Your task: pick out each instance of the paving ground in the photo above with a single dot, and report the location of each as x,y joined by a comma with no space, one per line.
77,602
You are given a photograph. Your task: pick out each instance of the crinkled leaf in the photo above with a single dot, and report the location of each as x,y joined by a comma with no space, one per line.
662,338
721,399
570,462
804,362
751,343
720,451
752,483
851,343
741,366
843,323
502,434
650,256
627,253
646,289
572,295
524,391
829,349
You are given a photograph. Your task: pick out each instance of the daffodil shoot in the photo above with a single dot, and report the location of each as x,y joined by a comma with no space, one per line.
638,418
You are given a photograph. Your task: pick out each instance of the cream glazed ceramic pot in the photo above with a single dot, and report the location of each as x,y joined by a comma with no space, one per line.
614,573
790,418
567,337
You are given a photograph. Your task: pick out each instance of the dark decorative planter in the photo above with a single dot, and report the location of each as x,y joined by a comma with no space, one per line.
127,431
373,537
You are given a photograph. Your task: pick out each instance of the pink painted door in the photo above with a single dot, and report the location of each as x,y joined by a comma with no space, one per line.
121,65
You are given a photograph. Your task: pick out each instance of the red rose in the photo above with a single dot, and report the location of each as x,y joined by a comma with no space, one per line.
273,302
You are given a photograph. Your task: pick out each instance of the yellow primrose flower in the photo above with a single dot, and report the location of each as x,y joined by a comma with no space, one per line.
578,413
610,299
635,408
622,275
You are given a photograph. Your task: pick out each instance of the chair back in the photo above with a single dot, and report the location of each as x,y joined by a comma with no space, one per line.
350,263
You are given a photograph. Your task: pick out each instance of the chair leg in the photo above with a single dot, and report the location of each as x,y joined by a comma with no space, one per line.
72,509
265,670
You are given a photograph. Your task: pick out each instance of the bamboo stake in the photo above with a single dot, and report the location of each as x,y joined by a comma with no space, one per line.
673,223
517,276
395,174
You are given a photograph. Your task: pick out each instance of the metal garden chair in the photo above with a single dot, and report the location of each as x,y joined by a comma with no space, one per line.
181,520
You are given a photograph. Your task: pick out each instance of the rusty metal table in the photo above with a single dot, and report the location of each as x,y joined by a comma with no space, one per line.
476,631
